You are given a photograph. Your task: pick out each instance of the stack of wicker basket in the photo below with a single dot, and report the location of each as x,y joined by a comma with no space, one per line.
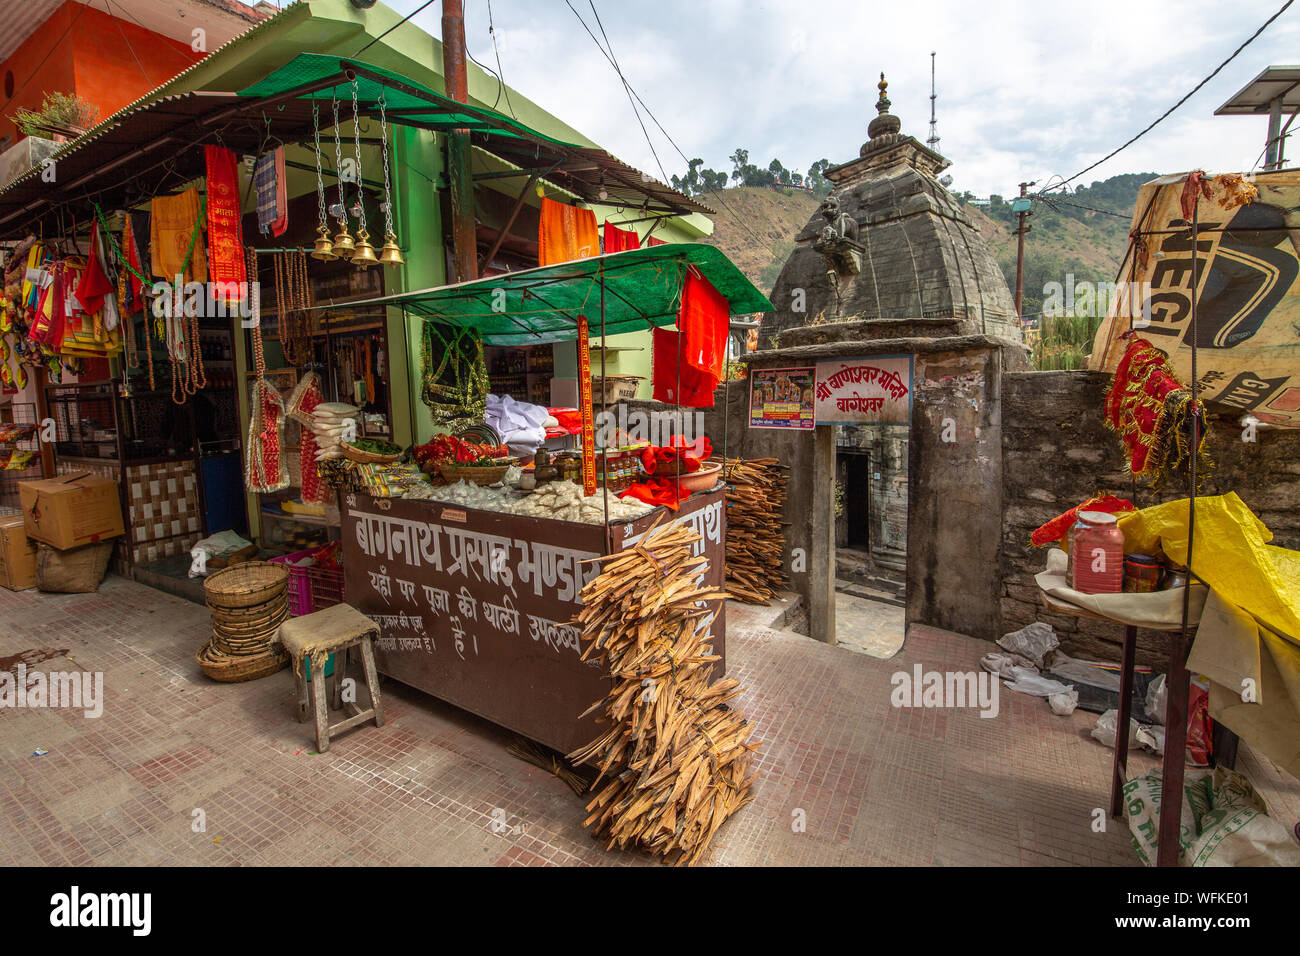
249,601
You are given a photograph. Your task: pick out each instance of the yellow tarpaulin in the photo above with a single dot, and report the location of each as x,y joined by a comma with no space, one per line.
1232,556
1248,641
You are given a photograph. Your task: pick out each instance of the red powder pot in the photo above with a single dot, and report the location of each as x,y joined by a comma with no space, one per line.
1097,554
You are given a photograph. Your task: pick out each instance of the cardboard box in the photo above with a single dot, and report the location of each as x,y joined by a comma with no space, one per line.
17,555
71,510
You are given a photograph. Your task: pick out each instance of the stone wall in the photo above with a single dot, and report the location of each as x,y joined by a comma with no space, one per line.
1056,452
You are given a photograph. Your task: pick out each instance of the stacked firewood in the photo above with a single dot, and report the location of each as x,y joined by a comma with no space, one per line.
675,763
755,529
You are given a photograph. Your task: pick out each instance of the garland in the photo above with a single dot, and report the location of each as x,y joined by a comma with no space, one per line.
462,402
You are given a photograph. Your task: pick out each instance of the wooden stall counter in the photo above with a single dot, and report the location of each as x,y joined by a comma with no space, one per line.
474,607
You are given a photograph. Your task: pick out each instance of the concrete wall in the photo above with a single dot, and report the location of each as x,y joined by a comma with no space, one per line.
955,493
1056,452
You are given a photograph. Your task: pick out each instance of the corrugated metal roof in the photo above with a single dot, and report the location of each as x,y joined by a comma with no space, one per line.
131,146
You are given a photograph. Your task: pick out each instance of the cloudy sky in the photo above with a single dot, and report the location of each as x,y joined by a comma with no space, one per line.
1027,90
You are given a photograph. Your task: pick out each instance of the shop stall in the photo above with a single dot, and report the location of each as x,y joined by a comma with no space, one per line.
476,589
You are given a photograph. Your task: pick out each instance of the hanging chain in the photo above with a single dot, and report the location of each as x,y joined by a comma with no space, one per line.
338,168
388,194
320,176
356,135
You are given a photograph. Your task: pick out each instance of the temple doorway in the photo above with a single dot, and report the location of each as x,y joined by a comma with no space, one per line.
870,537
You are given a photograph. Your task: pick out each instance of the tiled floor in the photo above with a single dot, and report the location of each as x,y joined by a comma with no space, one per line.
180,769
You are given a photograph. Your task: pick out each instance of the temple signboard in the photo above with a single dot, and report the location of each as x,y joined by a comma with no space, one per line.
871,390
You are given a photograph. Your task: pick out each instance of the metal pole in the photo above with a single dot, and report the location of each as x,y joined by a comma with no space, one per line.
1274,134
1178,682
604,407
1020,256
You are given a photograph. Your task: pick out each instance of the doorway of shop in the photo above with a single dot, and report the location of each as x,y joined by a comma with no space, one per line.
870,537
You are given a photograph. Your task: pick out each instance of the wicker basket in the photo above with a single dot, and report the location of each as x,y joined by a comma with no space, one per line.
478,474
245,585
233,670
352,453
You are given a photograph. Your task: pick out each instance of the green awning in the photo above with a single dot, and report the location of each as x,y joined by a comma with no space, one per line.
643,288
405,100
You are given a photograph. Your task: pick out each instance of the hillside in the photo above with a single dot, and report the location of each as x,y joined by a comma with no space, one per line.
1064,238
755,226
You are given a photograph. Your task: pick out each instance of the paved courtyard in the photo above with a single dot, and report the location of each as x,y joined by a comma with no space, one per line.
845,777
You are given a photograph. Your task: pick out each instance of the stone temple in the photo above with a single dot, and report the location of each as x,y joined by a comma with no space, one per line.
897,513
891,243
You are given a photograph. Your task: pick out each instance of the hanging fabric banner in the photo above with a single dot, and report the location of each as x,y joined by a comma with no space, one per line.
584,404
1248,300
225,239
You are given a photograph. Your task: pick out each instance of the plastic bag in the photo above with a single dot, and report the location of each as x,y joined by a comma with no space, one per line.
1106,725
1199,730
1223,821
1064,703
1156,699
1027,681
1033,641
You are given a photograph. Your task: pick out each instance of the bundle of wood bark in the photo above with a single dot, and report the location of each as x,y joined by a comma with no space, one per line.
755,529
675,762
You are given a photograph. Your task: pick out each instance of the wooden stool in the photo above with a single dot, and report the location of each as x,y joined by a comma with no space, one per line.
334,630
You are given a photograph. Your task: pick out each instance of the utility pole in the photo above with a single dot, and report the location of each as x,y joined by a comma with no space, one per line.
464,233
1021,208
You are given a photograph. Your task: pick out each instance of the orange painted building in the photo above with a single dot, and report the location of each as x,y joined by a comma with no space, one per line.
69,46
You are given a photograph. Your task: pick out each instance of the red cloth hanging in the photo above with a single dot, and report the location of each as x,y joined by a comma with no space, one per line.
226,267
703,320
620,240
667,365
656,242
95,283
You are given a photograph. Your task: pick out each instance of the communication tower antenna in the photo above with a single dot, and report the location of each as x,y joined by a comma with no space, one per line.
933,141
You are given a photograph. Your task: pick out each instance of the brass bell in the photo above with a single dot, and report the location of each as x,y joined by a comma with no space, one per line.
391,254
344,247
324,250
364,253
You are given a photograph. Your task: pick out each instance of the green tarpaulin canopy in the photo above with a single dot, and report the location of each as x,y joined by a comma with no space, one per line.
404,99
643,288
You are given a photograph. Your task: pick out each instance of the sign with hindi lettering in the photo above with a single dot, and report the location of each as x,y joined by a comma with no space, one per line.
872,390
476,607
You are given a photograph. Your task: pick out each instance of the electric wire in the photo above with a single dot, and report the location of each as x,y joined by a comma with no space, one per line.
1189,95
418,9
714,192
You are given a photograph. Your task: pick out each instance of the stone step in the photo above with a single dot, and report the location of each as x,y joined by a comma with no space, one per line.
885,594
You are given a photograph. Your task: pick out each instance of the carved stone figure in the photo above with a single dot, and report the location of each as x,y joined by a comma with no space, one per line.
838,242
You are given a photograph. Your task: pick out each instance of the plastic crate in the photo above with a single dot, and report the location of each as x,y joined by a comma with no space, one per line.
311,588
